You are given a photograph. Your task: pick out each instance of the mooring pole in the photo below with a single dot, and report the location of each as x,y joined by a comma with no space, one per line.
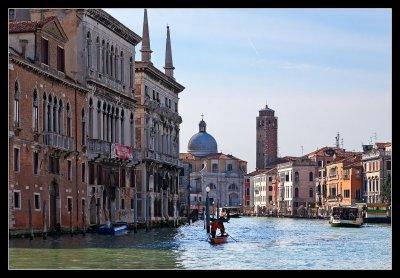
44,220
30,220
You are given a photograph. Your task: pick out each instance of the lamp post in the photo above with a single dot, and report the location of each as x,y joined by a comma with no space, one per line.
188,199
207,211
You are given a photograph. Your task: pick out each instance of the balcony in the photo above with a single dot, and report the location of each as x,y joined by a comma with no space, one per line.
99,147
58,141
151,155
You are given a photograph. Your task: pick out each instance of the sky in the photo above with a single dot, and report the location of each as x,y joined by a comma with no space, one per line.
323,71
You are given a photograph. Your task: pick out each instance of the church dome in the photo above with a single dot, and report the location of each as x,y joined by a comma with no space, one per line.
202,143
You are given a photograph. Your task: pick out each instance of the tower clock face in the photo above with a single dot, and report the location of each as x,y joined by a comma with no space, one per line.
330,152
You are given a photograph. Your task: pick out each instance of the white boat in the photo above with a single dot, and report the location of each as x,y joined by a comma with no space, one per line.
346,217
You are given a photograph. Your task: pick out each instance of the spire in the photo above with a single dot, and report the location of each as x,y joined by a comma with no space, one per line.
169,67
146,51
266,104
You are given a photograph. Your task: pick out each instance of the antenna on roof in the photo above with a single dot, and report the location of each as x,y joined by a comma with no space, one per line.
375,137
302,150
342,143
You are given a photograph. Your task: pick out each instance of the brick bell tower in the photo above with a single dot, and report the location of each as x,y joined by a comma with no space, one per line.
267,137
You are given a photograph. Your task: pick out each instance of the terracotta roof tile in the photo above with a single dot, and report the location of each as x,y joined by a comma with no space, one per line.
28,26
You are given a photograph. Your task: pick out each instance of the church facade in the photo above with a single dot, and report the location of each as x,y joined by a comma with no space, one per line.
223,173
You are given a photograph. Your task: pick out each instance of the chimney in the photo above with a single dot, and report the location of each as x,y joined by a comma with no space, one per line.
23,44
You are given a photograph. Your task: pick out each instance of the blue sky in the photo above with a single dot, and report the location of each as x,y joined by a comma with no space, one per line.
323,71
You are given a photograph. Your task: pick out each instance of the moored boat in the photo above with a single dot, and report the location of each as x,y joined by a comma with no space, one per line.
218,239
346,217
119,228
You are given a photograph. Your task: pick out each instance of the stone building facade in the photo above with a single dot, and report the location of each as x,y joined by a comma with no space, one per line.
101,58
263,191
223,173
266,138
47,189
377,166
157,123
296,186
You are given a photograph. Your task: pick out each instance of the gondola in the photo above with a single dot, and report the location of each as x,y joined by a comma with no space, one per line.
218,239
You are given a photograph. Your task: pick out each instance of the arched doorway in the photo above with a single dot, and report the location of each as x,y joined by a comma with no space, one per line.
93,211
54,205
233,199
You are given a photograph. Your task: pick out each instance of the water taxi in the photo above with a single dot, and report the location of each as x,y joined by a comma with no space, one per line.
346,217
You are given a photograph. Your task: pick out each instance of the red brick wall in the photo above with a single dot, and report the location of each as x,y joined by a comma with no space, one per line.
25,180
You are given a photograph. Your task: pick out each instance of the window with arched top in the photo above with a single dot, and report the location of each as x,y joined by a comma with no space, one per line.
296,192
55,112
103,56
115,65
60,117
132,130
98,54
44,112
90,118
296,177
311,176
233,187
122,127
107,58
89,49
111,61
16,103
69,121
35,116
122,66
311,193
83,127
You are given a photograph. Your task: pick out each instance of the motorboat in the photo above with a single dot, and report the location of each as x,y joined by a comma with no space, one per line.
346,216
119,228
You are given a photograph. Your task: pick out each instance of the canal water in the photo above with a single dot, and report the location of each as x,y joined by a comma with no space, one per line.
256,243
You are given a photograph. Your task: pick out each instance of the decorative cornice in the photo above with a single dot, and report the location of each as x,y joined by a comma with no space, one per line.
114,25
156,74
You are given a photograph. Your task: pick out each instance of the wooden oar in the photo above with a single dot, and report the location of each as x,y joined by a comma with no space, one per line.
232,237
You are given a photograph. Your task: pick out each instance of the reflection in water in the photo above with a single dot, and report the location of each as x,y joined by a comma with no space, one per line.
261,243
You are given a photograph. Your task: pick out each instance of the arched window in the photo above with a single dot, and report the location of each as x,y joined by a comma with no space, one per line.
69,123
98,119
98,54
116,63
212,186
233,187
55,112
311,176
59,117
296,176
83,128
89,50
44,112
311,193
122,66
105,122
131,73
132,131
108,59
103,56
111,61
16,103
296,192
122,127
35,111
49,127
90,118
112,124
